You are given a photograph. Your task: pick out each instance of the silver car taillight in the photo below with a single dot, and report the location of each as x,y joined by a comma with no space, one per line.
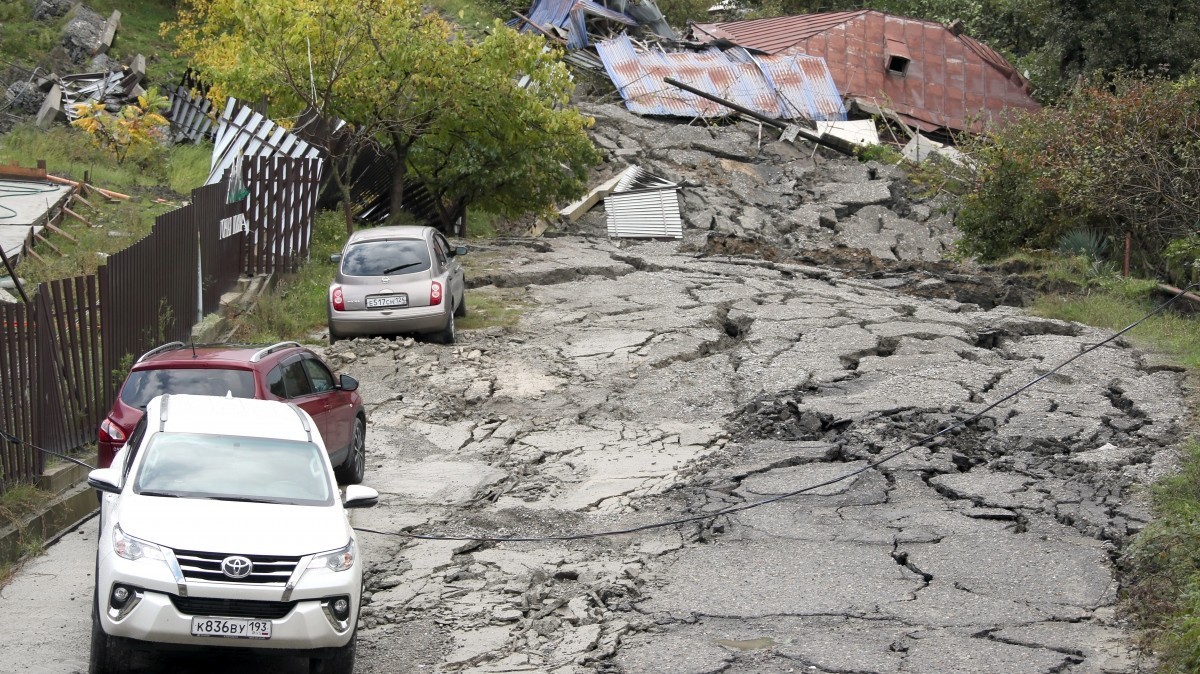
435,294
339,300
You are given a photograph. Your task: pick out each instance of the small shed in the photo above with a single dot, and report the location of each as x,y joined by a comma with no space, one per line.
643,206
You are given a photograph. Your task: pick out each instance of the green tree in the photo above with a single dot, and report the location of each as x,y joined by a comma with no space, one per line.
397,75
509,140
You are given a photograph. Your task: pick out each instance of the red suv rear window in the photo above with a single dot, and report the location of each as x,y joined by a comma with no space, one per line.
142,385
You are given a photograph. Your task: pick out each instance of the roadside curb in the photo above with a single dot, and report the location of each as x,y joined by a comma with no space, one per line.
64,513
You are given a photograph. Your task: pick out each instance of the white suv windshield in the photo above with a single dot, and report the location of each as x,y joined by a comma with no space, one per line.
227,467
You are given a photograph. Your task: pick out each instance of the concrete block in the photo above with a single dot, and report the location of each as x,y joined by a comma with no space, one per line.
51,110
110,32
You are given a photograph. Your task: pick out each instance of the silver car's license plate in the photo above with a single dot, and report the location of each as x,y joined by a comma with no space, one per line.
235,628
384,301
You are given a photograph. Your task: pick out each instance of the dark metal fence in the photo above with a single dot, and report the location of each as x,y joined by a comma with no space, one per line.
63,356
72,387
18,392
222,220
283,199
149,293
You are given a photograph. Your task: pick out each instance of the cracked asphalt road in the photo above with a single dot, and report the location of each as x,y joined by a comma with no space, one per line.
645,383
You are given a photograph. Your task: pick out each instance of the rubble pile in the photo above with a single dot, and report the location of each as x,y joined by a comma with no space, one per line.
742,184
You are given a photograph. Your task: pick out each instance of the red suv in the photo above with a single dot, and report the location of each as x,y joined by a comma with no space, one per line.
285,371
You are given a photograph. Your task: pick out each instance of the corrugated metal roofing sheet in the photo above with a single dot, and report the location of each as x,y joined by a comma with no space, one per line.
952,81
643,206
782,87
572,16
774,34
645,214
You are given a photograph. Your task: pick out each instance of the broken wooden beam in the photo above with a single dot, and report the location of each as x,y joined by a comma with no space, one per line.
39,237
828,141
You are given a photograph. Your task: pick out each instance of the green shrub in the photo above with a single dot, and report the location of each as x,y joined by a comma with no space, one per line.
1116,156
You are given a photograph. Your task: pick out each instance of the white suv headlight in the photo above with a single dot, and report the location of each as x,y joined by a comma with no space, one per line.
134,548
336,560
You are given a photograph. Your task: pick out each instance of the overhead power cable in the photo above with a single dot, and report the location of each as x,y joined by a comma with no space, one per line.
791,494
738,508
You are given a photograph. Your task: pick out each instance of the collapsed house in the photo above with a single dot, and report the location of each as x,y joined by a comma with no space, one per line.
924,74
576,22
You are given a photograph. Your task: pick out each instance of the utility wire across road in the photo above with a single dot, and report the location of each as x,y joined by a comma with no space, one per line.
745,506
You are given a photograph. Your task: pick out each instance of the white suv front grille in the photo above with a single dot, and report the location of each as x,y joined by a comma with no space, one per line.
206,566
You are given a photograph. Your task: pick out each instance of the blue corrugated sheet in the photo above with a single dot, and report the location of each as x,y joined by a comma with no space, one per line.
572,15
792,86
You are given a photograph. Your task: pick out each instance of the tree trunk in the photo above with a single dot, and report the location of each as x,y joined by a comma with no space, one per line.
399,152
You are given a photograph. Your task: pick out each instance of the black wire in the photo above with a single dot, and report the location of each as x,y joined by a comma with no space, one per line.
18,441
756,504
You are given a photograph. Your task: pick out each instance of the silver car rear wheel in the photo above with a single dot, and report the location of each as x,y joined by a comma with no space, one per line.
447,335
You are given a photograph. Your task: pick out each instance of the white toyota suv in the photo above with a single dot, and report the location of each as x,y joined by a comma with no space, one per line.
221,526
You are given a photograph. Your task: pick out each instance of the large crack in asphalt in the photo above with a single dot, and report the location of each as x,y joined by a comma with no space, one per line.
690,385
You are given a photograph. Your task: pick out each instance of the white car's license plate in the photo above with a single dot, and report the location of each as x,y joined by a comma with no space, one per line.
236,628
384,301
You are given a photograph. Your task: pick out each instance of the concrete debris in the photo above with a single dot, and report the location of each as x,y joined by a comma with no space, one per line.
921,149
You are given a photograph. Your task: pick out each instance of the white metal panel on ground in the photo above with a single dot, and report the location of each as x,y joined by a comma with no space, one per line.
644,214
858,131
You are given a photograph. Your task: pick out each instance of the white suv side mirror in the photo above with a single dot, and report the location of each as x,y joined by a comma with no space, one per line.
358,496
105,479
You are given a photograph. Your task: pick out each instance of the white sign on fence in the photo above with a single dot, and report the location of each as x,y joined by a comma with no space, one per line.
233,225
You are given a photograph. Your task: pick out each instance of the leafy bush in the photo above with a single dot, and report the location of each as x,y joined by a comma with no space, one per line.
1115,157
1083,242
137,132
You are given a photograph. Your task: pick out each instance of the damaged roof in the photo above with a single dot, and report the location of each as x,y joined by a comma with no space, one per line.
571,16
931,76
786,86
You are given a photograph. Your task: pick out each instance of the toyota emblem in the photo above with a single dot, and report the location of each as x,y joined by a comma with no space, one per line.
236,567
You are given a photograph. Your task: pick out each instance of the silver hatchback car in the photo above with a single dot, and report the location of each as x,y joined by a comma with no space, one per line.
397,280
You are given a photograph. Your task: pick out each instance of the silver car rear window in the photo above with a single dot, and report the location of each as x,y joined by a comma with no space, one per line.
386,257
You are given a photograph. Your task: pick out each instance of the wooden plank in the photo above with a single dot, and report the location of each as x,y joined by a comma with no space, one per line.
75,215
39,237
14,171
61,232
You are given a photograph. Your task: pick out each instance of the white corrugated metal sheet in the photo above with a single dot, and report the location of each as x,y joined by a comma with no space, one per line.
243,132
643,206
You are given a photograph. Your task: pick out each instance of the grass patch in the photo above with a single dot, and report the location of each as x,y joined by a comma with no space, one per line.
493,307
1169,332
1165,562
188,167
116,226
296,308
472,15
140,34
20,501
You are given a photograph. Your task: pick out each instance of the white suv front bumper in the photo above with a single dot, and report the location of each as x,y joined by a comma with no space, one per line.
150,616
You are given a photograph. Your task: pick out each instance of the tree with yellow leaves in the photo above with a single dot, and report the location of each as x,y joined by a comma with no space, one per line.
135,127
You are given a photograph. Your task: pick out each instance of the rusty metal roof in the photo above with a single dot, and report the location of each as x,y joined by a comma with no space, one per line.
775,34
951,81
791,86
